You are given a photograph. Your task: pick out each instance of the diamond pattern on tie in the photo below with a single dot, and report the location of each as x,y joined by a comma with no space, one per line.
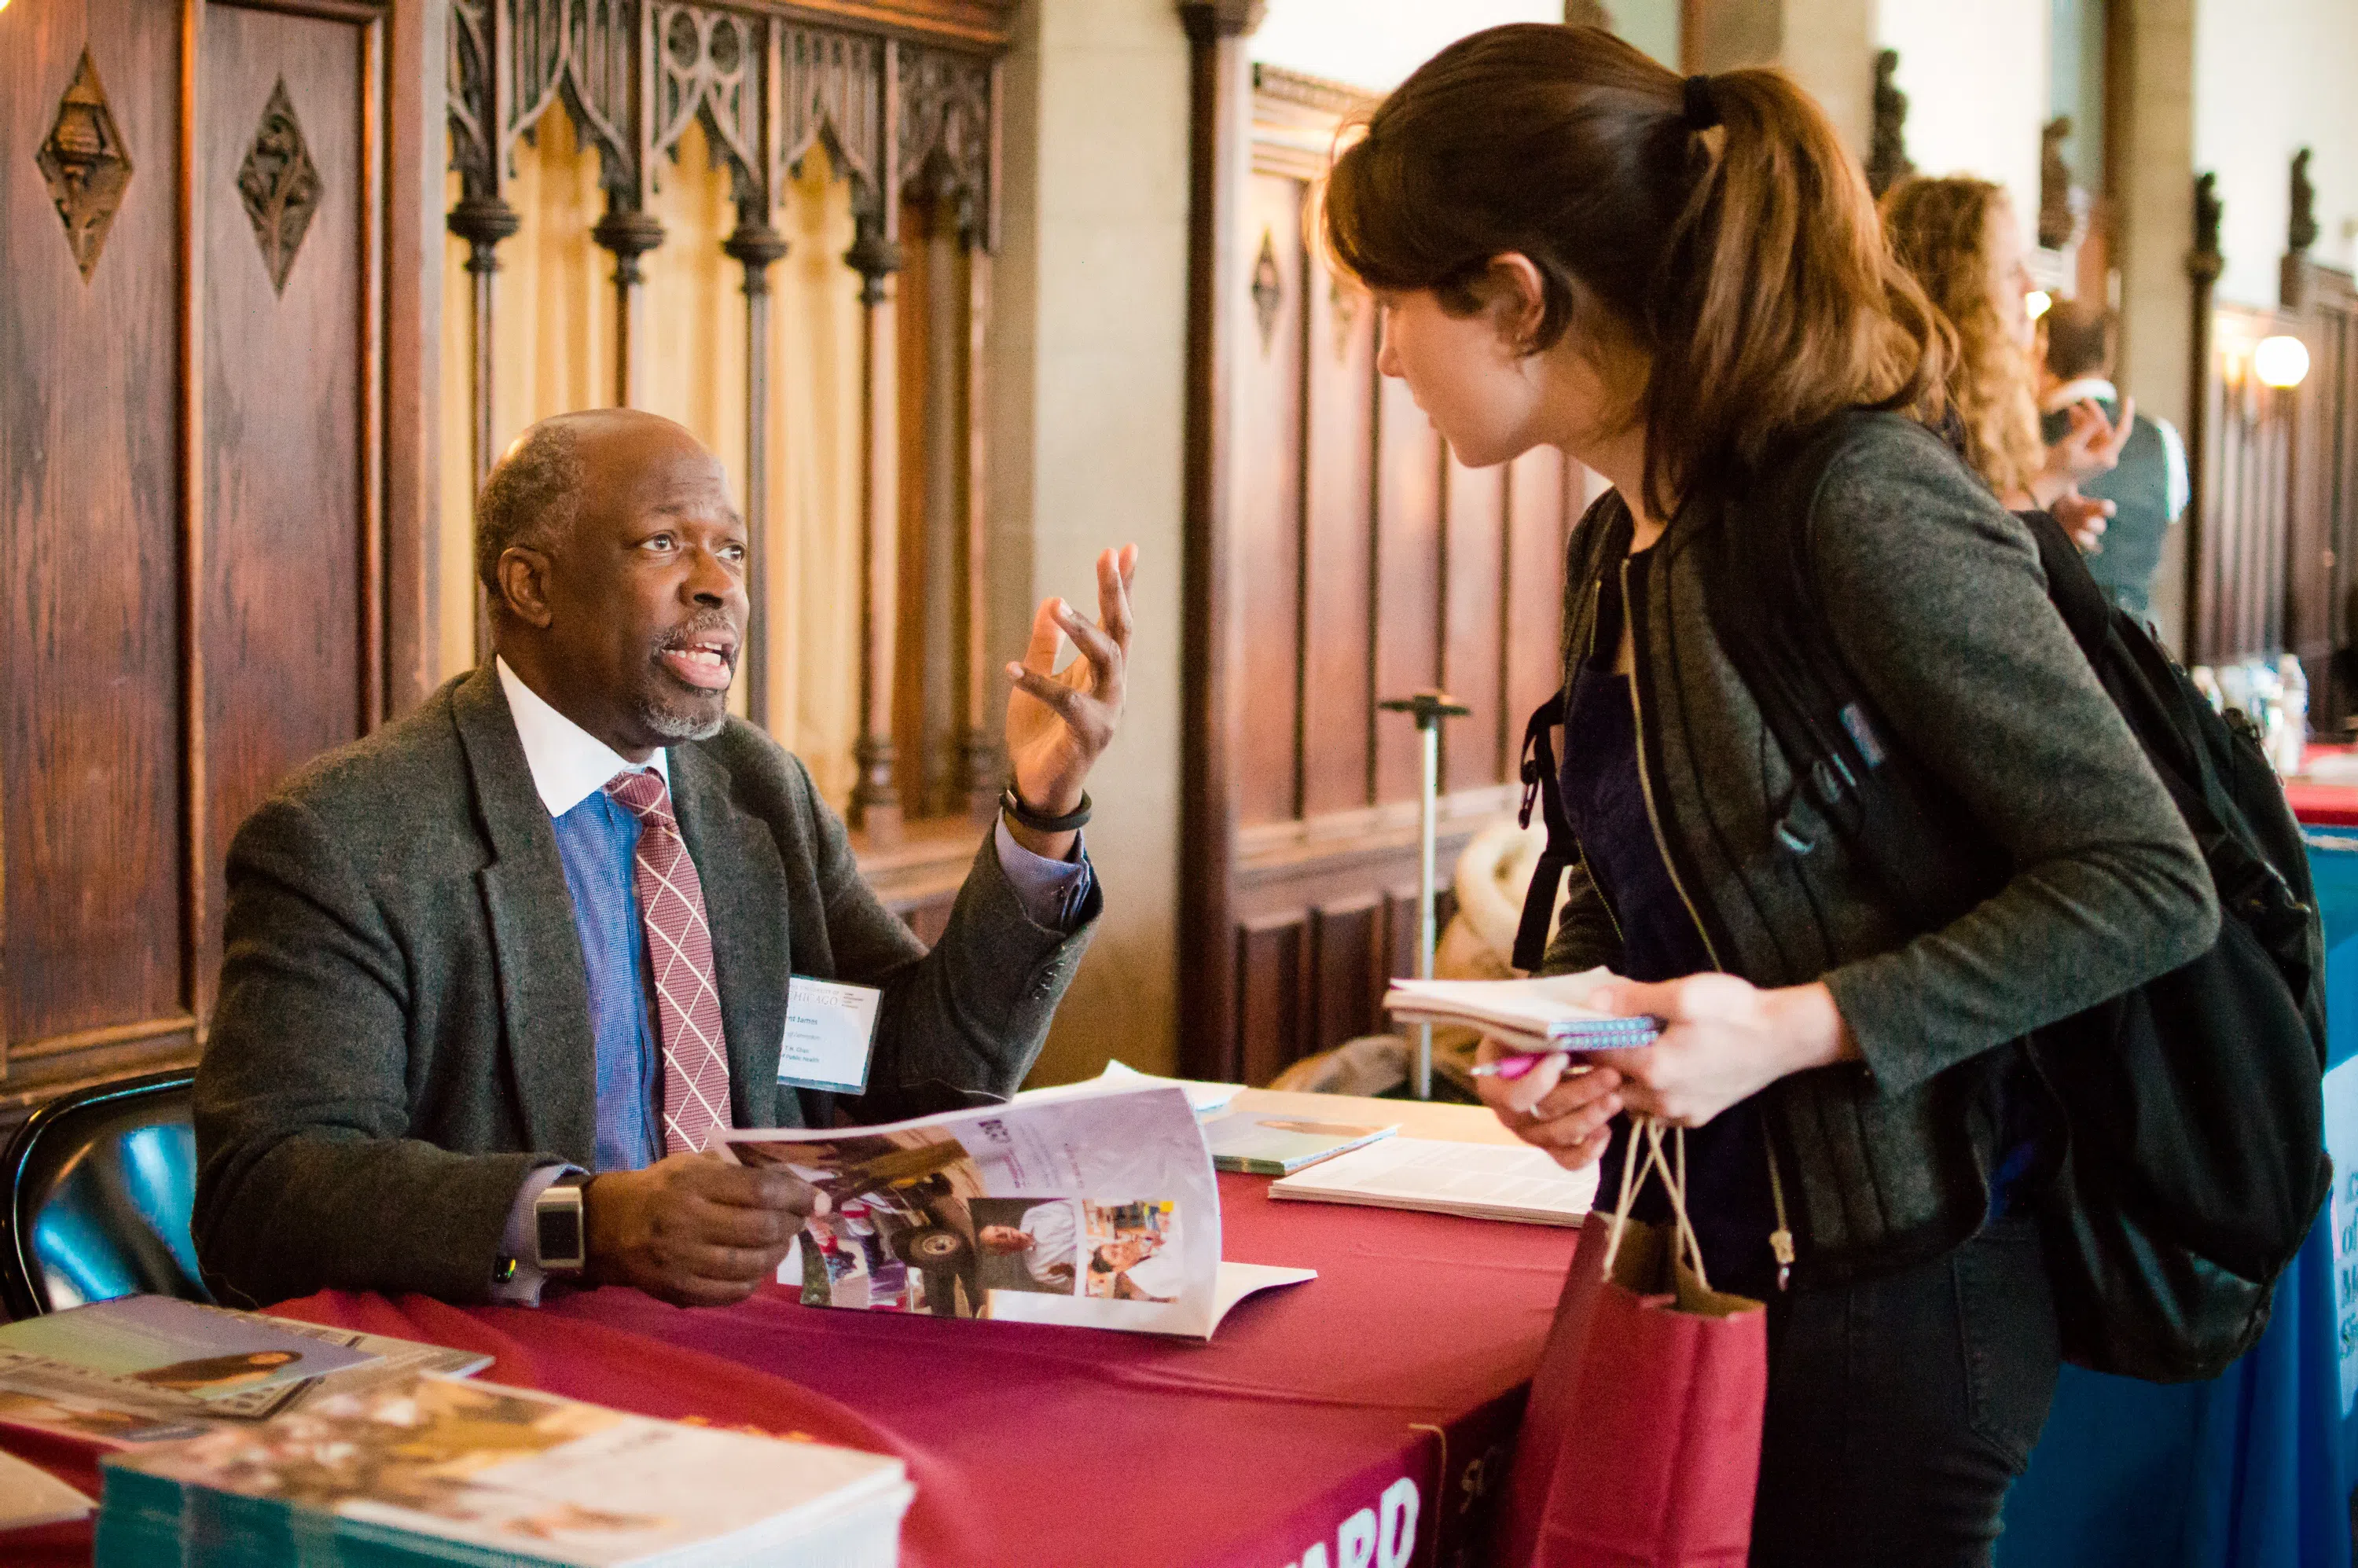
679,952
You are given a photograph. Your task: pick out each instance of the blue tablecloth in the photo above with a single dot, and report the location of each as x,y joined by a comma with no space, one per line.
2254,1468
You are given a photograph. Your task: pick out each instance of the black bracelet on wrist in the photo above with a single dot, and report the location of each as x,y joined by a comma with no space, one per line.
1072,821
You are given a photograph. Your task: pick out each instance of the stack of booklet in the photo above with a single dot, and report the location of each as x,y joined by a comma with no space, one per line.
1542,1015
143,1369
435,1470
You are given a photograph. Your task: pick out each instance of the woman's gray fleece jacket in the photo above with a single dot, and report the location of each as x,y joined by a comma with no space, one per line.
1938,606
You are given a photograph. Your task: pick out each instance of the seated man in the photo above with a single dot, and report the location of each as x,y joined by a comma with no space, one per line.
543,926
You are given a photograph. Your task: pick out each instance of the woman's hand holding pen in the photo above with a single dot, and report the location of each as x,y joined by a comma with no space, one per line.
1553,1104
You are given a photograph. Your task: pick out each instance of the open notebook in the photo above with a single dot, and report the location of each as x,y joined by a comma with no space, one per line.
1483,1181
1546,1013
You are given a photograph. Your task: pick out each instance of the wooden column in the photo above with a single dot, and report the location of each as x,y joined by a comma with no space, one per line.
1219,114
630,232
980,763
758,247
2203,266
482,221
875,255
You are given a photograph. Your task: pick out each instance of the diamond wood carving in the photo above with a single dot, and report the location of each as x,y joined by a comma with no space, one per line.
85,164
280,186
1268,289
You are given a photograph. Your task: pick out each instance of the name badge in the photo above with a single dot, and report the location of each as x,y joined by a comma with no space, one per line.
830,1032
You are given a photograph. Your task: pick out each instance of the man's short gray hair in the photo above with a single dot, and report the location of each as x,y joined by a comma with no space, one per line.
531,498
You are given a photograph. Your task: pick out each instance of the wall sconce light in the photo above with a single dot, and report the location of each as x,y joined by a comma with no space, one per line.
2280,361
2038,302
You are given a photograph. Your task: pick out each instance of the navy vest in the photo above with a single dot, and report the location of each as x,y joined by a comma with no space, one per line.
2140,491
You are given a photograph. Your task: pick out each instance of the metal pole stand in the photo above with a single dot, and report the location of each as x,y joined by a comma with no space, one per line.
1430,707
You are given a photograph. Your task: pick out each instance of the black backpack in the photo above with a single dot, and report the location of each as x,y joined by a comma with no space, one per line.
2191,1162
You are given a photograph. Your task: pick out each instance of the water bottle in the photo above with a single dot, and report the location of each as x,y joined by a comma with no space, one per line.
2291,737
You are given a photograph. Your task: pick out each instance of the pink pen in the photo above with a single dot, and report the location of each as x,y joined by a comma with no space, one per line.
1522,1062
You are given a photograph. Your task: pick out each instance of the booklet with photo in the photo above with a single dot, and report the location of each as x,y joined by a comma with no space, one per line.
1270,1143
1095,1208
435,1470
82,1400
154,1348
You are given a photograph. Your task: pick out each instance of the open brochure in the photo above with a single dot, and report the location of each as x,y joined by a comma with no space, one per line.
1482,1181
1095,1208
433,1470
143,1369
1548,1012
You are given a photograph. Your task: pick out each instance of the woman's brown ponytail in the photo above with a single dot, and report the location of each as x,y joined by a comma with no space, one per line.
1717,223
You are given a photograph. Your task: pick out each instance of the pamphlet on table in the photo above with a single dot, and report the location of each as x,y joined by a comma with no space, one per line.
1272,1143
1482,1181
430,1470
1547,1012
1094,1206
142,1370
30,1496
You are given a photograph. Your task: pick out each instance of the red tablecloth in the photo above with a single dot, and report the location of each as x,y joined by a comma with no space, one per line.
1030,1446
2323,805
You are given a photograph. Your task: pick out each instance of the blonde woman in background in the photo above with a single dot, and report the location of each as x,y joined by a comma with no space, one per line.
1960,238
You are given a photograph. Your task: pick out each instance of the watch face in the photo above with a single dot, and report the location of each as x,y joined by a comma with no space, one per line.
560,1226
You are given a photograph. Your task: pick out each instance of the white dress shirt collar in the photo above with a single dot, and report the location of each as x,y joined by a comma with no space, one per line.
568,763
2079,391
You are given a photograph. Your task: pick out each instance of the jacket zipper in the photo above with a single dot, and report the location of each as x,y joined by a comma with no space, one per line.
1579,669
1780,1241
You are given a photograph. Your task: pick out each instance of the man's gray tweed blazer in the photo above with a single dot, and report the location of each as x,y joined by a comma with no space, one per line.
403,1031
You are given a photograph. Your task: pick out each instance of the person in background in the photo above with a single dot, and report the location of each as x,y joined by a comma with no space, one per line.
2148,487
1960,239
1678,283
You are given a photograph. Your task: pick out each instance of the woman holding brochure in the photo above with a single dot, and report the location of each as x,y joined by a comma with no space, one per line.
1674,281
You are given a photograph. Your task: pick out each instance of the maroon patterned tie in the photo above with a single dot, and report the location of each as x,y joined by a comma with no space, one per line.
680,949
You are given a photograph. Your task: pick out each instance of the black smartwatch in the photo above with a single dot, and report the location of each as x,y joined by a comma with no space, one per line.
560,1230
1039,822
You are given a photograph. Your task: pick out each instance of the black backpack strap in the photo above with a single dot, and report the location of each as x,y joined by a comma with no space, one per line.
1543,785
1899,823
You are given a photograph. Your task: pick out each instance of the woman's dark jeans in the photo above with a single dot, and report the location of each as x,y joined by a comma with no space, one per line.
1900,1409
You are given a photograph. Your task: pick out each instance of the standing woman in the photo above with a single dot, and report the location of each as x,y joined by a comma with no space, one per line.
1959,238
1674,281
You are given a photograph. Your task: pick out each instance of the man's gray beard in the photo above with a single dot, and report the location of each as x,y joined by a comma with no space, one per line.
675,725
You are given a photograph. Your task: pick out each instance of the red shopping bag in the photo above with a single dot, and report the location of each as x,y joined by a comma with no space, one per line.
1641,1444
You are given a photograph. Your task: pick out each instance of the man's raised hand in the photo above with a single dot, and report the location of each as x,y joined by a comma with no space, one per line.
1060,722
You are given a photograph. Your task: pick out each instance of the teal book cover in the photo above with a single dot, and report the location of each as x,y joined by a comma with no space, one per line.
1265,1144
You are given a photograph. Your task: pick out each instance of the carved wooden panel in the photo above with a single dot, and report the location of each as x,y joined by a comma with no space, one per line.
284,568
1338,550
832,94
2246,477
1355,561
280,184
1270,1002
193,542
1346,971
85,163
1408,534
1268,575
92,913
1473,651
708,69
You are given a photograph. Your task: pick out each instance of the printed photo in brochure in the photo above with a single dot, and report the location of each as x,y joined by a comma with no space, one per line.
899,1235
1028,1244
1134,1251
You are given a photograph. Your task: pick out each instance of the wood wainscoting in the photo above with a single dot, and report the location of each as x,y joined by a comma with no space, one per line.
210,537
221,256
1337,555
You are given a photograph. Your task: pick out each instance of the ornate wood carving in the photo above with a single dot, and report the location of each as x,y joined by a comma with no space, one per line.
1887,156
2056,221
1267,288
279,185
832,96
85,164
946,135
904,107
